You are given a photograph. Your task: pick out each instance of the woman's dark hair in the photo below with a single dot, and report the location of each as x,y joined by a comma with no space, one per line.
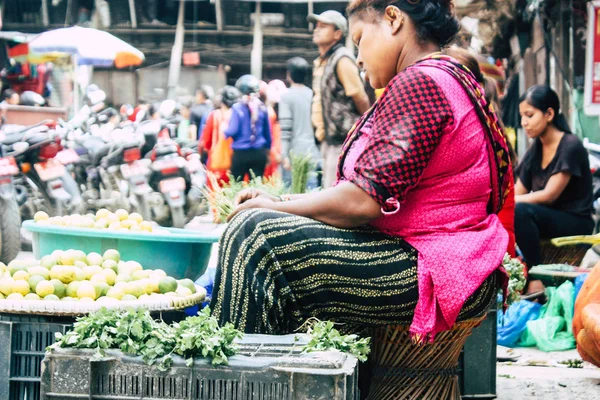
544,98
248,84
152,110
298,68
229,95
433,19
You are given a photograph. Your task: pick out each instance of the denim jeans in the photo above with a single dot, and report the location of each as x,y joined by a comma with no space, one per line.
534,222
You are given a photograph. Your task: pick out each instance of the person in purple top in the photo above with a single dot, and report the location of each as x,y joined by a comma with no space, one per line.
249,127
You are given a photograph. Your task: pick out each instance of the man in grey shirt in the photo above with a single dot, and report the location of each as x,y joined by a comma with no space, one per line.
297,136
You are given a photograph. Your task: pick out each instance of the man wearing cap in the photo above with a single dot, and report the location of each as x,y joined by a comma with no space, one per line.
339,92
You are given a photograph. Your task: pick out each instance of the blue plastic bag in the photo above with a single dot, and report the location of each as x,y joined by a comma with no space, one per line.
207,281
514,321
578,284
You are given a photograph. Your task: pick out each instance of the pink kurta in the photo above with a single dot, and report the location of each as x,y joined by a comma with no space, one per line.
444,215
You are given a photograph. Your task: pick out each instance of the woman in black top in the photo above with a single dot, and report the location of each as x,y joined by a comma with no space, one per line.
554,187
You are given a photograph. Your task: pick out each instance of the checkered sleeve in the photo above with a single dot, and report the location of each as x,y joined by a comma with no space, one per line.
407,128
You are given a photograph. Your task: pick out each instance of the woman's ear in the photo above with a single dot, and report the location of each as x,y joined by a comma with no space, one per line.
394,17
550,114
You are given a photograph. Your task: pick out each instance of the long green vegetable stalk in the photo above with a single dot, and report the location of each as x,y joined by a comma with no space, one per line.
302,166
222,198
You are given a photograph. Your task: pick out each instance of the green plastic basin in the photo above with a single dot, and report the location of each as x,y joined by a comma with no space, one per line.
181,254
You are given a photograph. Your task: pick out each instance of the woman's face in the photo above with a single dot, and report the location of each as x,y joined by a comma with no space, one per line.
533,120
185,112
379,44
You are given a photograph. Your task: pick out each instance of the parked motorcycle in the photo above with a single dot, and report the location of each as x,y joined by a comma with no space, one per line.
44,183
99,188
123,164
101,141
179,176
126,165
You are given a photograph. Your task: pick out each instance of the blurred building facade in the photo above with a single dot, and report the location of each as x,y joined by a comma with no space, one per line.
285,29
540,41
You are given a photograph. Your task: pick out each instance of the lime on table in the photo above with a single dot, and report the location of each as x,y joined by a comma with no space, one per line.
44,288
167,285
188,283
33,282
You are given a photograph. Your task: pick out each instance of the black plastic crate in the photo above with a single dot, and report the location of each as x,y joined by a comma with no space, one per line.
267,368
477,361
23,342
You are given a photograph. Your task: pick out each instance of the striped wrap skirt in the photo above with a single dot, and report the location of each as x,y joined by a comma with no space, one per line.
277,270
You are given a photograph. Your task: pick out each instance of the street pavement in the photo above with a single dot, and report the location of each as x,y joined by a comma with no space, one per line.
539,375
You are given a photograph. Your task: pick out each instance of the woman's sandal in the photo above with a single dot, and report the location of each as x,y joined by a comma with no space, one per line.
540,297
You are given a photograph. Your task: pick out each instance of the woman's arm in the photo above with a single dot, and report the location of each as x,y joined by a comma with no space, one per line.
554,188
343,206
233,127
520,189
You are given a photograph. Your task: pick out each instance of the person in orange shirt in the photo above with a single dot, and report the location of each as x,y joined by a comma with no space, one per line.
213,140
275,154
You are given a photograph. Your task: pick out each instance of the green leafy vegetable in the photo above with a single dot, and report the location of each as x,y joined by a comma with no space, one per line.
323,337
516,278
201,335
135,332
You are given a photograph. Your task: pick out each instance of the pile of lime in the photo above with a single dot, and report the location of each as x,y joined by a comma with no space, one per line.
73,275
120,220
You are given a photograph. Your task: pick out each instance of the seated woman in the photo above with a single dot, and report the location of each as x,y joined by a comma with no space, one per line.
554,190
409,234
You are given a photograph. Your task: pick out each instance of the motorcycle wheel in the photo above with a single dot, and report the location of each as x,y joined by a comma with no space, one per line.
10,230
177,217
144,208
39,193
77,206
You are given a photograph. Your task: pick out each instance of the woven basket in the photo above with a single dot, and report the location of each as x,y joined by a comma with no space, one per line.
569,254
68,308
403,370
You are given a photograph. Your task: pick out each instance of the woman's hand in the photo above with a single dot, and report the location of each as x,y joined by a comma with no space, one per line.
254,202
252,193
